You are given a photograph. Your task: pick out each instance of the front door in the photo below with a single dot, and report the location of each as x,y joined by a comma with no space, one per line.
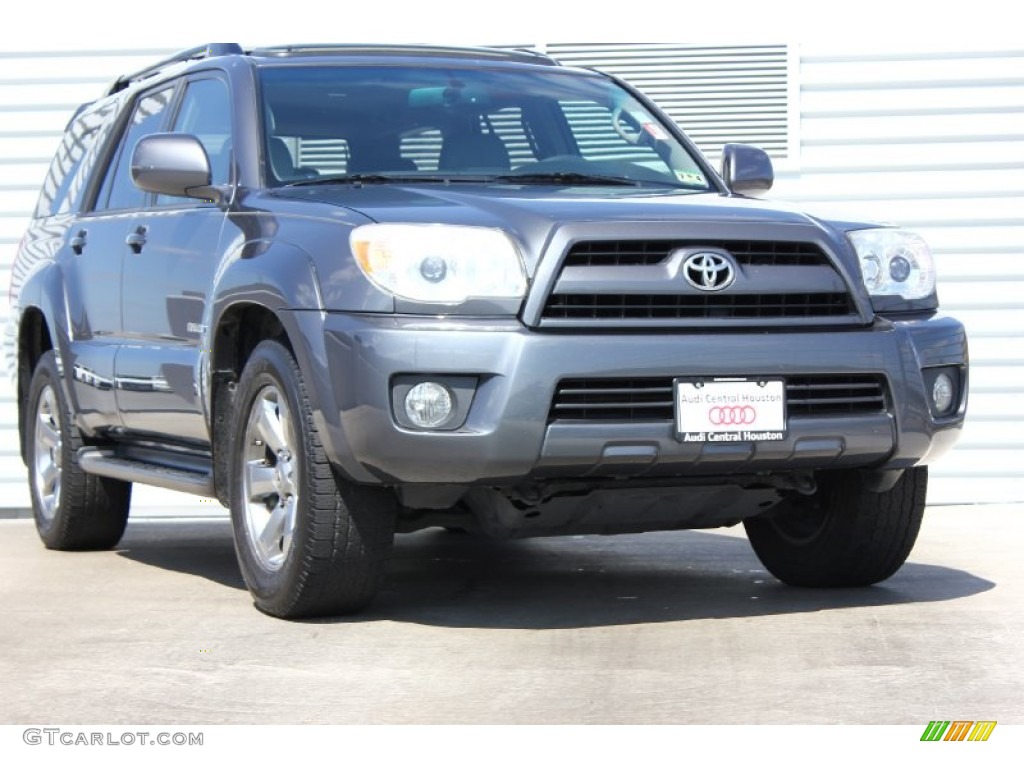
166,281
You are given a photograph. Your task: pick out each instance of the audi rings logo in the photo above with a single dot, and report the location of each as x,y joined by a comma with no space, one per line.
732,415
707,271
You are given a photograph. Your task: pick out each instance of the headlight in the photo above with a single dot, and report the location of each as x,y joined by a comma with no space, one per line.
894,262
439,264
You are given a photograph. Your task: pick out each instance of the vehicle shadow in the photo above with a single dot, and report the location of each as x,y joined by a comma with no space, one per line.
441,579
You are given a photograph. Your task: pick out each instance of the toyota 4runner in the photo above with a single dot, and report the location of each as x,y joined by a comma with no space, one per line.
351,291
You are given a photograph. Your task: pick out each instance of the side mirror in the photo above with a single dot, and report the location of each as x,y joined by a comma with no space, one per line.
173,164
747,170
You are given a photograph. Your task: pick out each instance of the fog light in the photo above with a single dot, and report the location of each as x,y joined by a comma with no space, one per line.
942,393
428,405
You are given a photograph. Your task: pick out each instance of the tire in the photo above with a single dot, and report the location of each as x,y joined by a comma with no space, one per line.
308,543
845,535
73,510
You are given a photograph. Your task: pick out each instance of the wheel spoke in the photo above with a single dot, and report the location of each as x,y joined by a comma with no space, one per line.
261,480
49,476
270,536
46,453
47,434
268,488
289,524
271,425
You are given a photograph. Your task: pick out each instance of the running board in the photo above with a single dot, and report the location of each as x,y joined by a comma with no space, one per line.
108,464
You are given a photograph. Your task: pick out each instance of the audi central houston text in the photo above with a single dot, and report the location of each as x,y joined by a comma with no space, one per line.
354,291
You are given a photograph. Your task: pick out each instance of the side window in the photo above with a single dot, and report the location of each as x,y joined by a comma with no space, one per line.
597,138
119,191
205,112
423,147
66,178
509,126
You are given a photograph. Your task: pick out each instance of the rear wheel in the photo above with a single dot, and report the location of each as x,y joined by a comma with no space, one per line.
72,509
308,543
845,535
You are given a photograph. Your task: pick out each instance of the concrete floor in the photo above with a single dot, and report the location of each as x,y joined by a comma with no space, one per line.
657,628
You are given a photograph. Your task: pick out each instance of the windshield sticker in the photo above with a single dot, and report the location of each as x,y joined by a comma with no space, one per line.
656,131
688,177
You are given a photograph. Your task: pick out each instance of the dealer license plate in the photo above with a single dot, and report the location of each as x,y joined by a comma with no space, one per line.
730,410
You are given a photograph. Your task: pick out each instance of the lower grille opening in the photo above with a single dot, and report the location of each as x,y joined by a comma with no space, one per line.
651,399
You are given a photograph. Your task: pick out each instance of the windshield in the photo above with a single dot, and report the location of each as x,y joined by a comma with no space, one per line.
327,124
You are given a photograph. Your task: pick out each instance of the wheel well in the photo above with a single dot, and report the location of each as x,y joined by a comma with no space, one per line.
34,341
240,330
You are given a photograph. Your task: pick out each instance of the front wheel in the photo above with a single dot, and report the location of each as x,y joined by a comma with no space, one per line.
845,535
308,543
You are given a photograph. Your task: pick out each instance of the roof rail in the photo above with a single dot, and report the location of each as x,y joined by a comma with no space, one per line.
201,52
506,54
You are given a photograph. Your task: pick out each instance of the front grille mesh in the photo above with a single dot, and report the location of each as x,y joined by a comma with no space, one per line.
651,399
661,302
613,306
633,253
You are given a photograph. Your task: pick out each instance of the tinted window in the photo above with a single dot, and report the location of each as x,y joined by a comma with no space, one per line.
62,189
602,135
119,191
205,112
451,121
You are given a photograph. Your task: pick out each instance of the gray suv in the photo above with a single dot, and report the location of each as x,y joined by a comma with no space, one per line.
351,291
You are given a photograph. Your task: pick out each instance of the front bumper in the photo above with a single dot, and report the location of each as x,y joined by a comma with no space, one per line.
508,438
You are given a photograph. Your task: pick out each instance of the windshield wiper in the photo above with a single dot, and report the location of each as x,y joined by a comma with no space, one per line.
555,178
568,178
385,178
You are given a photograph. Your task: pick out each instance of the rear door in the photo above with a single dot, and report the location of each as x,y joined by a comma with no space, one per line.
92,264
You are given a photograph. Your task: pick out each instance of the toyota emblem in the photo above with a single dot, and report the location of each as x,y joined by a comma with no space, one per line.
707,271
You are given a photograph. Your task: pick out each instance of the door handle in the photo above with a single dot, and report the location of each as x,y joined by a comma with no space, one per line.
77,242
137,239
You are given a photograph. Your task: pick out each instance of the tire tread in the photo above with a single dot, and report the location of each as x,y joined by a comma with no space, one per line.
349,527
864,539
93,510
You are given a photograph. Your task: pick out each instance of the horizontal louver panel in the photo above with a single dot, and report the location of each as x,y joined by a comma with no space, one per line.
716,94
933,140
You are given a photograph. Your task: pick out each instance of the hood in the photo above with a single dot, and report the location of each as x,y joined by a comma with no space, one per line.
532,213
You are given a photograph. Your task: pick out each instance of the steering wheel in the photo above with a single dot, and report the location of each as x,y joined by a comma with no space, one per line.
629,138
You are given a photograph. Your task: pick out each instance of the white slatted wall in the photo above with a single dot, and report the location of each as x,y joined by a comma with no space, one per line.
930,140
718,94
934,140
38,94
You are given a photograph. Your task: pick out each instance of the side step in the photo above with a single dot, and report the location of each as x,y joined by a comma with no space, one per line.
107,464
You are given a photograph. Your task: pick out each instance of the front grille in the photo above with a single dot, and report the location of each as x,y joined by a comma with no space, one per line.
618,306
776,282
634,253
651,399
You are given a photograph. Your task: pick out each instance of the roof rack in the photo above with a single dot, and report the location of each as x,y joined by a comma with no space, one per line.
202,52
499,54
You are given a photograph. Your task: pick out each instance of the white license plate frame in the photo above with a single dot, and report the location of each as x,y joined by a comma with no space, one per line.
730,409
